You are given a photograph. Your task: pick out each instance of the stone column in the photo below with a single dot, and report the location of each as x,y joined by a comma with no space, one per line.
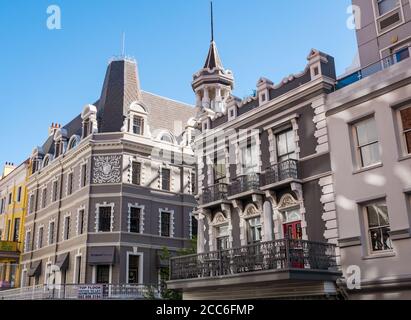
268,222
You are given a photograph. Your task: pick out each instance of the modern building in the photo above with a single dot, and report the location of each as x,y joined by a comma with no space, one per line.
266,216
369,124
13,205
110,189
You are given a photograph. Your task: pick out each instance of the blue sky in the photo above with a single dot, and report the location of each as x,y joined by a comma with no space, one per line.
48,76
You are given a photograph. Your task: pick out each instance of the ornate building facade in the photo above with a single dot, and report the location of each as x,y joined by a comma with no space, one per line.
111,188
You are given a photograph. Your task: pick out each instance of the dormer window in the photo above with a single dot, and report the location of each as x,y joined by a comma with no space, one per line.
89,116
74,140
60,142
138,125
36,160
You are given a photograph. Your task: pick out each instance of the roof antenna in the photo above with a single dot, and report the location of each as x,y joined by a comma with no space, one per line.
123,51
212,22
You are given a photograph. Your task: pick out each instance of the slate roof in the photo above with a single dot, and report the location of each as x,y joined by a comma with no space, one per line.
213,58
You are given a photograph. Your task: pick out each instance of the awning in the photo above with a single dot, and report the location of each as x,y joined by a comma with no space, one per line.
63,261
101,255
35,269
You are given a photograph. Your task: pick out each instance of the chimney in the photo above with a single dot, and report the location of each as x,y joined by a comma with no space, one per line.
53,128
8,168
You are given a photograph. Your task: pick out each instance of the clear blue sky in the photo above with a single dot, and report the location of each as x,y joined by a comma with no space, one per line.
48,76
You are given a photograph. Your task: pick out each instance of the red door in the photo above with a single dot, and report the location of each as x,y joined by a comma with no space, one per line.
293,231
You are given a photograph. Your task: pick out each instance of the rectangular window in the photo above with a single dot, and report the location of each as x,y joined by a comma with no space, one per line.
27,241
66,234
165,224
83,175
194,227
10,198
220,171
135,214
70,184
104,219
44,198
405,115
138,125
222,236
32,204
249,158
81,222
367,144
133,264
78,270
19,190
51,232
16,233
378,227
40,238
193,183
165,179
103,274
254,231
286,146
136,173
8,230
55,190
1,206
385,6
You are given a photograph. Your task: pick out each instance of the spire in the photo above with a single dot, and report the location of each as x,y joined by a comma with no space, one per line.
212,22
213,59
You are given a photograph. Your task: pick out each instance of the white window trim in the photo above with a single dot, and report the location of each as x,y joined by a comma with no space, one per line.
82,164
29,203
404,147
140,266
67,215
70,172
49,232
38,237
55,179
98,206
83,207
27,240
94,275
171,221
378,17
142,216
75,275
42,206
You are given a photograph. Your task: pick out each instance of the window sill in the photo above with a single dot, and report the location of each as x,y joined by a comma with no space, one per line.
404,157
379,255
365,169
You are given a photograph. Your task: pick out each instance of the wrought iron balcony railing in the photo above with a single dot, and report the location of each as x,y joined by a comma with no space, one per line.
214,193
287,169
280,255
244,183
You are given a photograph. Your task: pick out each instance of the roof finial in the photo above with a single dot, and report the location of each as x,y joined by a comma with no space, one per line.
212,22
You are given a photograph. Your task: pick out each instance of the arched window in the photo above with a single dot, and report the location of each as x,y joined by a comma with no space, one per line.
73,142
46,161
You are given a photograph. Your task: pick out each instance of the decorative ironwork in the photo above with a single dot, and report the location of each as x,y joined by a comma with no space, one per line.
214,193
287,169
244,183
282,254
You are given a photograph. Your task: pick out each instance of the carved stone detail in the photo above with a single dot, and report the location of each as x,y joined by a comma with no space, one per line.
107,169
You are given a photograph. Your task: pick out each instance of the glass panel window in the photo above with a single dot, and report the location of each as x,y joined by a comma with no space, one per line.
286,146
249,159
44,198
385,6
378,227
51,232
66,234
133,262
138,125
402,54
254,230
368,147
40,239
406,127
16,233
165,224
70,184
219,169
222,236
193,183
136,173
55,191
104,221
194,227
135,220
165,179
81,222
19,194
103,274
83,175
32,204
27,241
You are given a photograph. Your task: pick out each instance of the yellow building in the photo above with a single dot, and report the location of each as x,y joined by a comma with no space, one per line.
13,207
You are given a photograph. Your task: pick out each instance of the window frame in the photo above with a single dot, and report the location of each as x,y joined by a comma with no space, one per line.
139,218
377,8
288,155
66,228
168,181
359,162
136,179
137,128
402,131
99,225
70,183
40,237
51,236
169,234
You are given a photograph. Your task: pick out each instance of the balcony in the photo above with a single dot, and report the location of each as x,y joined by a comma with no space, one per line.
279,174
373,68
214,194
9,250
244,185
279,256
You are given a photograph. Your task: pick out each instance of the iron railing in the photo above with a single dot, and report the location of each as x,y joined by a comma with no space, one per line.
373,68
279,255
214,193
244,183
287,169
82,292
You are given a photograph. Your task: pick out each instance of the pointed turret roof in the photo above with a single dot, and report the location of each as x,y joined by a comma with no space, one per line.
213,58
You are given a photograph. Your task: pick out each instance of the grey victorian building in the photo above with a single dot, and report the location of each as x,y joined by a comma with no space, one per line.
266,215
110,189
